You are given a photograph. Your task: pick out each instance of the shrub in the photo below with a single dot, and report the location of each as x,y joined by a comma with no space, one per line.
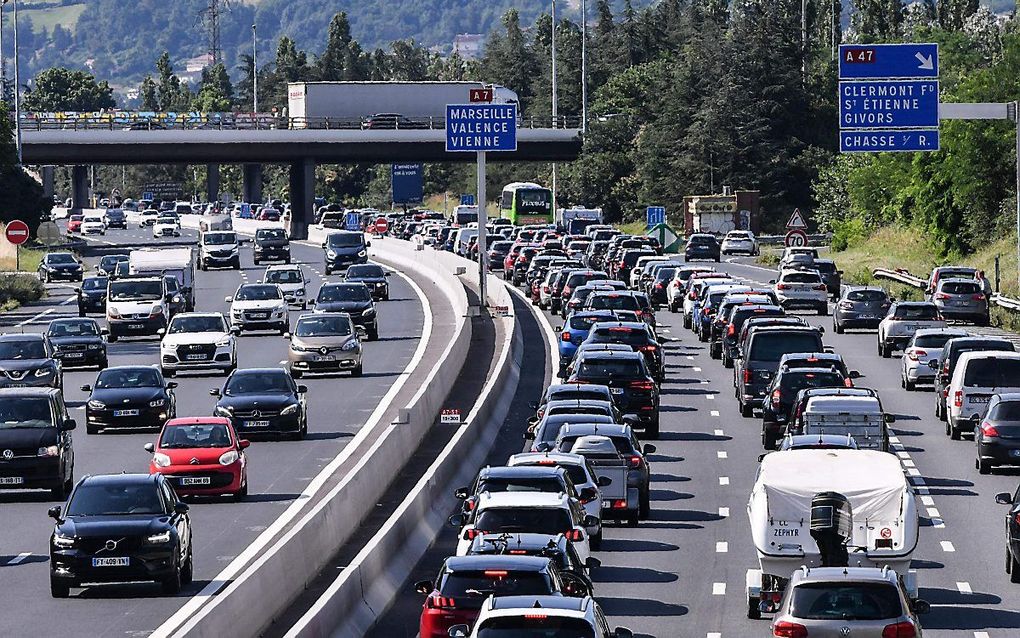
18,289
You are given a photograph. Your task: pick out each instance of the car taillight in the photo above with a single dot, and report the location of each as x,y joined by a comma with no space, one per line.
776,396
648,348
848,382
903,629
635,461
787,629
436,601
731,330
988,429
521,259
575,535
781,287
566,336
641,385
566,291
470,533
545,288
470,503
747,375
620,504
495,573
691,295
977,298
941,295
958,399
658,286
819,287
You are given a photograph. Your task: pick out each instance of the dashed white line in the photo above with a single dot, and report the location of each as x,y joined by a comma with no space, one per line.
718,589
964,588
716,634
710,397
908,463
903,455
927,501
714,412
724,512
718,433
722,547
980,634
19,558
690,358
947,546
721,454
913,472
724,480
696,369
933,512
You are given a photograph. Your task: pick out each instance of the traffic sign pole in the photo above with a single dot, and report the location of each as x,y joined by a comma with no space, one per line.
483,215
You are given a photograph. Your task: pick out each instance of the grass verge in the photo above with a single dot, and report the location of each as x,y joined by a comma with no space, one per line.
18,289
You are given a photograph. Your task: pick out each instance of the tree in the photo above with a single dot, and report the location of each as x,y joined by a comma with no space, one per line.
21,197
171,94
509,59
60,89
216,93
148,92
877,20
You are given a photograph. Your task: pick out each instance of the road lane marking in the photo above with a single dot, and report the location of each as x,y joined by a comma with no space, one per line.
908,463
938,523
714,413
724,512
724,480
903,455
980,634
718,589
19,558
722,547
710,397
690,358
716,634
947,546
721,454
696,369
927,501
964,588
933,512
912,472
893,439
719,433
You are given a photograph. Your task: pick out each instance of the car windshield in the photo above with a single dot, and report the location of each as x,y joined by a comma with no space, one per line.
665,273
535,626
611,368
537,520
271,233
613,302
494,582
345,240
801,278
258,383
620,334
961,288
218,239
95,283
108,262
577,279
323,326
135,289
115,498
61,258
166,219
865,295
202,435
367,271
344,292
19,350
772,347
257,292
72,328
25,412
934,341
850,601
197,324
292,276
825,267
128,378
542,484
992,373
927,312
794,382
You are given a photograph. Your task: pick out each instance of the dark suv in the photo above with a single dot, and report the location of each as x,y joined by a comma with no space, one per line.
28,360
760,360
630,381
702,246
945,364
637,335
738,316
780,394
344,248
271,244
36,441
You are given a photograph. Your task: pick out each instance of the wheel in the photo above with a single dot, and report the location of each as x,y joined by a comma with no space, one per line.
746,410
243,492
171,585
112,337
237,264
885,351
304,305
283,329
303,432
687,321
358,371
59,589
983,466
169,374
727,361
91,428
296,373
768,440
188,569
823,310
632,521
373,335
909,385
287,261
954,433
714,351
652,431
838,329
328,271
645,505
1014,570
256,262
753,610
596,541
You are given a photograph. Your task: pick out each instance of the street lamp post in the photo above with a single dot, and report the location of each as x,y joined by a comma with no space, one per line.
584,66
17,82
555,109
254,70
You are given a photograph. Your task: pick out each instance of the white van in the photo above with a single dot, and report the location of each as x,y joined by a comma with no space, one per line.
978,376
464,236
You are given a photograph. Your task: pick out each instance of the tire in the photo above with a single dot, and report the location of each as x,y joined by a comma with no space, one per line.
727,362
596,541
644,504
823,310
60,492
885,351
169,374
237,264
358,371
753,611
283,329
954,433
104,364
746,410
59,589
373,335
91,429
112,337
242,493
909,385
297,374
327,271
838,329
188,569
687,322
171,585
256,261
632,521
303,432
768,440
714,352
1014,571
983,466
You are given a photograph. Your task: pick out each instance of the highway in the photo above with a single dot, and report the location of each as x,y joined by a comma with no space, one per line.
681,573
279,472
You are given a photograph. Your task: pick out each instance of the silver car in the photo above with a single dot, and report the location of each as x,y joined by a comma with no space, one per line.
962,299
837,602
324,342
924,346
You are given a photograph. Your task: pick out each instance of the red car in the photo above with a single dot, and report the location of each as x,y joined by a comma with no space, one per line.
269,215
201,456
74,223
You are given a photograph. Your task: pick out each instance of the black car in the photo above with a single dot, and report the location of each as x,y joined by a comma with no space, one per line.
739,315
1012,533
344,248
129,397
116,218
263,401
780,395
373,276
831,275
629,379
271,244
555,547
108,264
353,298
26,360
997,435
637,335
36,441
118,528
497,252
702,246
78,342
759,360
92,295
863,307
59,266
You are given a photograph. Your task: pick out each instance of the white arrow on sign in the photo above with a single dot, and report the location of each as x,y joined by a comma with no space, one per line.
927,63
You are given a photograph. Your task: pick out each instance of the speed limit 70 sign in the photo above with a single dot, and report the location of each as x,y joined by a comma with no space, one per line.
795,239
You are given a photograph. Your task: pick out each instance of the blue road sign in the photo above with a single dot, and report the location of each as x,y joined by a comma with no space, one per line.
889,104
888,141
245,211
655,215
877,61
147,195
408,182
467,199
481,127
352,220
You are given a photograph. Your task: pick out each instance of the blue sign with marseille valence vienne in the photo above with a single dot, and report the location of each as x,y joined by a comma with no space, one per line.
481,127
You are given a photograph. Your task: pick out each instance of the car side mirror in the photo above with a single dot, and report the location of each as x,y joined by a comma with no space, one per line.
544,446
215,392
590,521
170,385
921,606
839,272
649,448
302,389
161,331
149,447
181,507
54,512
287,335
69,424
622,632
323,245
772,281
761,457
86,388
461,493
368,244
458,631
854,374
388,274
104,330
457,520
1004,498
244,444
228,299
605,481
889,418
77,291
423,587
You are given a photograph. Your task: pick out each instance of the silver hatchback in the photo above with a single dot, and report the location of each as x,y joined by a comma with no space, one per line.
324,342
852,602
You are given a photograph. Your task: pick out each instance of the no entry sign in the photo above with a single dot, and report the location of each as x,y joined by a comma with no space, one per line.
16,232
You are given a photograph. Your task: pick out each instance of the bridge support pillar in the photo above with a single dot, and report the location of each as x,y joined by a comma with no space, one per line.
212,182
79,188
47,174
302,197
252,183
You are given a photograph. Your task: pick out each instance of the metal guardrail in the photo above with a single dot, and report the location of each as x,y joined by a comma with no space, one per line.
151,121
900,275
1006,302
821,239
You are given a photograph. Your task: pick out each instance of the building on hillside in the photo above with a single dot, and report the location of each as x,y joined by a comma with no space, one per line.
192,73
469,45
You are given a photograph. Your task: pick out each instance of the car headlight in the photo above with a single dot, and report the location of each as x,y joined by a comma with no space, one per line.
159,539
157,403
290,409
59,540
49,450
229,457
222,410
42,372
223,343
351,345
97,405
160,460
331,254
297,348
156,310
95,346
177,299
299,293
362,253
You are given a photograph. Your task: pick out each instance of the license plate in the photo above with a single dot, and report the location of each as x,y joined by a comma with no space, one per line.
125,413
11,480
136,326
74,355
912,327
259,315
616,390
196,357
978,399
256,424
195,480
868,317
325,357
120,561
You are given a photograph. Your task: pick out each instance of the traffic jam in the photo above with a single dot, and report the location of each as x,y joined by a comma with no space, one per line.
832,513
126,300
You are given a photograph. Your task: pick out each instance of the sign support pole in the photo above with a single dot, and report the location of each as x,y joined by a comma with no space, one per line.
483,257
1016,121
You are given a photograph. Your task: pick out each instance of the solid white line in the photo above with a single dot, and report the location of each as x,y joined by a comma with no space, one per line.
714,413
964,587
721,547
256,547
713,634
947,546
721,454
724,511
19,558
724,480
718,589
980,634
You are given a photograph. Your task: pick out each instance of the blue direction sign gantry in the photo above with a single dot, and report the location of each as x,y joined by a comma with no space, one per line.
878,61
888,141
889,104
481,127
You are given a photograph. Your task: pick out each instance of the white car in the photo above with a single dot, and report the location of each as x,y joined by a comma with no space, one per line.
802,289
739,241
902,321
581,473
166,226
148,217
259,307
540,616
93,225
539,512
291,280
197,341
978,375
925,346
694,289
639,269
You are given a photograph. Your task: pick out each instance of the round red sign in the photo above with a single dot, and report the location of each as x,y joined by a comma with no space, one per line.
381,225
795,239
16,232
886,532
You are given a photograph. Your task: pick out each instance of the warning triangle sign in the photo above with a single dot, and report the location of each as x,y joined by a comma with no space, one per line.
796,220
